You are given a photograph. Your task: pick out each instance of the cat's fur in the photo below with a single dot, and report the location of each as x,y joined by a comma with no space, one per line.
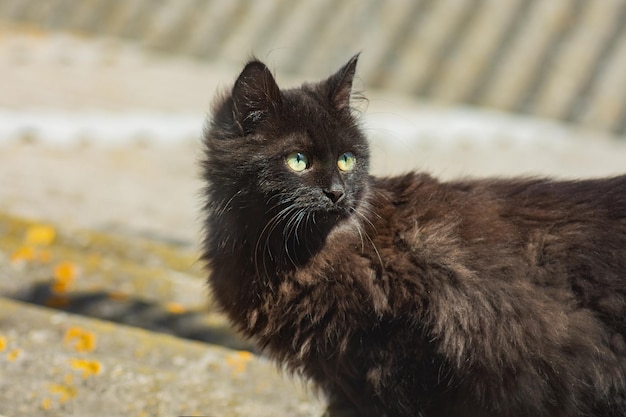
410,296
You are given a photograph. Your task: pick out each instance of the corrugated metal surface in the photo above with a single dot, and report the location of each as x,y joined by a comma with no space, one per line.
563,59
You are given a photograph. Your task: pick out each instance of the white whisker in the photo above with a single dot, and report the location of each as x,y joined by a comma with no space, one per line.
368,221
225,207
267,232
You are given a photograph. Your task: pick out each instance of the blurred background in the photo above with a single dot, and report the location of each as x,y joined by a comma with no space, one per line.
455,87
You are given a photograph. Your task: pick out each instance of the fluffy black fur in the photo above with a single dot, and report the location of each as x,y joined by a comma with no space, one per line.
408,296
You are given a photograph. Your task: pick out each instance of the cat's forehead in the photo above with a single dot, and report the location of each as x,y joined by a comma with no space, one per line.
305,101
306,113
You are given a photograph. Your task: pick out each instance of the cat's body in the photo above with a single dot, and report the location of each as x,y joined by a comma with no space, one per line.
407,296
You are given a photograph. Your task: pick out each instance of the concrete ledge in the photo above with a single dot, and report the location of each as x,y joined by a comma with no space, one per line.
123,279
58,364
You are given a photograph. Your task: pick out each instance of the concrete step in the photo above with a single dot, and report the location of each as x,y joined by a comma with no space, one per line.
124,279
54,363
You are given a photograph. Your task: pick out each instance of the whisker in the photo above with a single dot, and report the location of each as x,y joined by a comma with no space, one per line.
357,226
362,216
292,229
266,234
307,230
225,207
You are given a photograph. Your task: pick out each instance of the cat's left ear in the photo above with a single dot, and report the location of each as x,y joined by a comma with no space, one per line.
340,85
256,97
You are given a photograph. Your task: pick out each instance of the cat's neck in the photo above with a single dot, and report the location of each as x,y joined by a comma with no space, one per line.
266,244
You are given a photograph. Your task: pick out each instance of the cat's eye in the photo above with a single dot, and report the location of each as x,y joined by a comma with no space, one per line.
346,162
297,161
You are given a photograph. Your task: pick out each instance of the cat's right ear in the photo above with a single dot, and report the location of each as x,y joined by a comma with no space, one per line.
256,97
340,84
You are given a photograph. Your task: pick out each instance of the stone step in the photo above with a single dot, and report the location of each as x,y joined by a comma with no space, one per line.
149,284
54,363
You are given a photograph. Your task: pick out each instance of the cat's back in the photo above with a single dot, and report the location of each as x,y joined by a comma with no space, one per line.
569,235
508,213
594,200
530,268
580,226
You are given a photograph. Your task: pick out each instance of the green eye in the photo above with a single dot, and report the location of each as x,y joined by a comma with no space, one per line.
297,161
346,162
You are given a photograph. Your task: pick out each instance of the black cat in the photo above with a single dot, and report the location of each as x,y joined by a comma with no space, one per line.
407,296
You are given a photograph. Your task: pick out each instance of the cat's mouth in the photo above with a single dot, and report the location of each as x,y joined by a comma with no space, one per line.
333,214
309,216
321,219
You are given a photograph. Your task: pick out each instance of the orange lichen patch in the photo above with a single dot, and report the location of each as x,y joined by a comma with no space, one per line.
24,253
46,404
13,355
3,343
57,301
64,275
31,253
65,392
88,367
81,340
239,361
40,235
93,260
44,256
118,296
175,308
60,286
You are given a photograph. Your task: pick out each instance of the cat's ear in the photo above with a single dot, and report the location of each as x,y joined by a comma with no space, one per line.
340,85
256,97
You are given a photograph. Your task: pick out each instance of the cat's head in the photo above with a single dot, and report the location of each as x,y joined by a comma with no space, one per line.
294,156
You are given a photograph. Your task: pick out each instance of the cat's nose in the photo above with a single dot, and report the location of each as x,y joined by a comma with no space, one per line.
335,194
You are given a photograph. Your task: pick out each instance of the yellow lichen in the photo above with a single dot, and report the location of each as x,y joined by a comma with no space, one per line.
175,308
31,253
24,253
13,355
44,256
239,360
88,367
41,235
65,392
46,404
3,343
64,275
81,340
